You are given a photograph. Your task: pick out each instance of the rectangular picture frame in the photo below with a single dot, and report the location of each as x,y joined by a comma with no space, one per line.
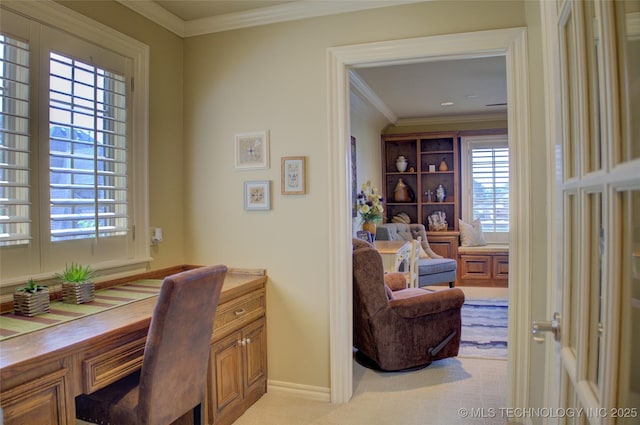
252,150
257,195
293,180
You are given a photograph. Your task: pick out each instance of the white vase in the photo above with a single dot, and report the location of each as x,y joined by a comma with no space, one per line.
401,163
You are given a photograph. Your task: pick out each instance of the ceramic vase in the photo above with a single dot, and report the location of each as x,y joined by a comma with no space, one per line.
441,193
401,163
369,226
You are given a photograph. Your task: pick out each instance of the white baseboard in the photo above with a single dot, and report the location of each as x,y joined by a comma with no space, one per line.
307,392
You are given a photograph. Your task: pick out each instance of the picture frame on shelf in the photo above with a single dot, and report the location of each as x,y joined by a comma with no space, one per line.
257,195
293,175
365,235
252,150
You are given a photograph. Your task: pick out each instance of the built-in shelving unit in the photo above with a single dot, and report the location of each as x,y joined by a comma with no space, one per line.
424,153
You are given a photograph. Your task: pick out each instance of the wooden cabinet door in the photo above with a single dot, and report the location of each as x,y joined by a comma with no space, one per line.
226,374
255,350
42,401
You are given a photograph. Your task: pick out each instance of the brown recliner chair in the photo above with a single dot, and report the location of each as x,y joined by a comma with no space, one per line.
403,328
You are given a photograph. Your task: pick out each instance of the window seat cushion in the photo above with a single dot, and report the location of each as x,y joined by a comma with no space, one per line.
485,249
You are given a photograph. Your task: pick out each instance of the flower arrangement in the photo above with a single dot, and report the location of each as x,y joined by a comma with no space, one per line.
370,203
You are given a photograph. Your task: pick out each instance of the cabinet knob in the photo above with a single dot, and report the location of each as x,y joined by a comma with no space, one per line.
240,312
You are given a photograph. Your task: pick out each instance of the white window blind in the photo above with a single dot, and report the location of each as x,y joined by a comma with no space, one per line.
490,187
15,219
87,150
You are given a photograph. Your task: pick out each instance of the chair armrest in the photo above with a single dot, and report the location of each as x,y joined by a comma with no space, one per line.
427,303
395,281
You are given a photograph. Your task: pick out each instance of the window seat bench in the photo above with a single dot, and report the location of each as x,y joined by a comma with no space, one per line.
486,265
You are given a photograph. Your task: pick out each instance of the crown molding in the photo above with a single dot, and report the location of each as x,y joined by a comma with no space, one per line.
366,93
452,119
152,11
292,11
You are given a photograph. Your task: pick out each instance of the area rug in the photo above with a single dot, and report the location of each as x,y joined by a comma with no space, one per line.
484,328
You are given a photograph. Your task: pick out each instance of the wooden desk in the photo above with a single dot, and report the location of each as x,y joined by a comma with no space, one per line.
42,372
393,254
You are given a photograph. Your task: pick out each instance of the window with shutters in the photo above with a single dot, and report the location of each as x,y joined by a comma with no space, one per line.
87,150
69,144
15,215
485,184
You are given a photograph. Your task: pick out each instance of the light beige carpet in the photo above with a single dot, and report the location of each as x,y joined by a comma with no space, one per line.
435,395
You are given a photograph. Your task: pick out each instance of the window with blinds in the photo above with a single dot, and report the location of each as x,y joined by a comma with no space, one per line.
73,144
490,187
15,219
87,150
485,184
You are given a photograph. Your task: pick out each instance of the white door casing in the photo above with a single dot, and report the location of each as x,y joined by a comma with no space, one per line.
510,43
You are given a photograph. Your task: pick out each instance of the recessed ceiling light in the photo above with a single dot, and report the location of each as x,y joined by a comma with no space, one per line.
447,103
471,96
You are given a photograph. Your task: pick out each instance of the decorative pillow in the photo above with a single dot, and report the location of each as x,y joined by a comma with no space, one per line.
471,234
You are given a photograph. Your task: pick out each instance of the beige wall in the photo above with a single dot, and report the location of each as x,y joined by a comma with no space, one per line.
274,77
366,126
166,160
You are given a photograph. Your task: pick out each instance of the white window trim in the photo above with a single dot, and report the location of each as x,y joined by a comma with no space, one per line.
466,144
56,15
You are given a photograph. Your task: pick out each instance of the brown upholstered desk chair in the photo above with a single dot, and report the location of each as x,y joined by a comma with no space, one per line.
395,327
174,368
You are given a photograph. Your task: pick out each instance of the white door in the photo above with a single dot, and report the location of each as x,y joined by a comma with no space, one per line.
593,100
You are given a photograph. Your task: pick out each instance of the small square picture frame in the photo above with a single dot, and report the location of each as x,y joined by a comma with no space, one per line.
293,180
252,150
257,195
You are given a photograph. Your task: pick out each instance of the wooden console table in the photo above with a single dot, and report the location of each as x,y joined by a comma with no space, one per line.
42,372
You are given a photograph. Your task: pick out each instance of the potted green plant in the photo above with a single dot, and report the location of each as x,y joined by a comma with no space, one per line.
77,284
31,300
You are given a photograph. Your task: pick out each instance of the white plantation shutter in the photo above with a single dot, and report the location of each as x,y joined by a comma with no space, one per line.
87,150
485,184
73,144
15,218
490,187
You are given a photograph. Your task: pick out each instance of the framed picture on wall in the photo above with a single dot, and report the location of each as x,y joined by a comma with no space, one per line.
257,195
293,179
252,150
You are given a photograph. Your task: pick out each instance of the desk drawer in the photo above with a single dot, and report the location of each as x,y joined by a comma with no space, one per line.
234,314
106,368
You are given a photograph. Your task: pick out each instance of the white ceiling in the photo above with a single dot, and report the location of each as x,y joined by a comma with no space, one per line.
477,87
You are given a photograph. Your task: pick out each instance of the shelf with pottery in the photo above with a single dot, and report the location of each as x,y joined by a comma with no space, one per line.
421,177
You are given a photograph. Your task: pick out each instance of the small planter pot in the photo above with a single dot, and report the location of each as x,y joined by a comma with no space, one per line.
77,292
31,304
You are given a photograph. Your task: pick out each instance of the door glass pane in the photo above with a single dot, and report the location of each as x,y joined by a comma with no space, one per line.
628,45
629,379
570,100
571,256
592,148
595,248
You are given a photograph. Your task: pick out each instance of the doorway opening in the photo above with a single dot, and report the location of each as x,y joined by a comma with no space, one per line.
510,43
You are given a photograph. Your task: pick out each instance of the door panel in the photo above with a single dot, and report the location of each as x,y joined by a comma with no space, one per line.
595,58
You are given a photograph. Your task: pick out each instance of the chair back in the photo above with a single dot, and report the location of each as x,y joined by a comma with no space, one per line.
369,294
176,354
